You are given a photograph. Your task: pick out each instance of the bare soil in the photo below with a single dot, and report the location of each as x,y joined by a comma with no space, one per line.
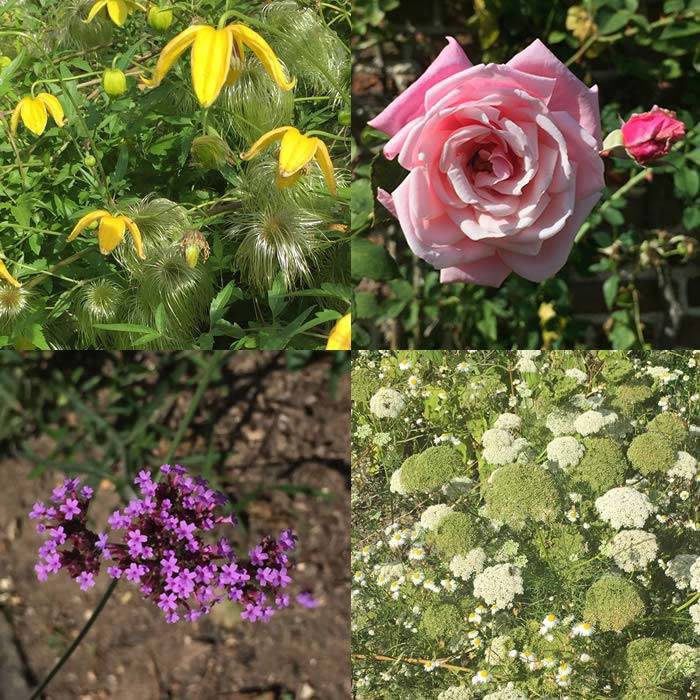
278,427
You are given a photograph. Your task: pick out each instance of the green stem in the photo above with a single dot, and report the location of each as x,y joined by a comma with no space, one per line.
76,108
328,135
57,266
204,380
689,602
638,177
74,645
15,150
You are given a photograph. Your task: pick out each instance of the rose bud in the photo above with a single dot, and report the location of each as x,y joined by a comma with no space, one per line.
650,135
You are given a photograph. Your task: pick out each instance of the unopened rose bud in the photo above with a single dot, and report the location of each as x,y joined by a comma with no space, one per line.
650,135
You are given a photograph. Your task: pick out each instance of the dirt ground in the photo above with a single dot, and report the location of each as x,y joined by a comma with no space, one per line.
280,427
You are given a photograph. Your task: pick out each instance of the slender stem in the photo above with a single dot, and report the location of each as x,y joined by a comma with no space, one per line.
18,158
689,602
326,134
196,398
638,177
74,645
57,266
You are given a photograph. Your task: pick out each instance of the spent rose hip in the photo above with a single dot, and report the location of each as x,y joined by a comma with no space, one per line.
157,542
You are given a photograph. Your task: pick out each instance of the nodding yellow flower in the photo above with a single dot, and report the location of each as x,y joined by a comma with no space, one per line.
111,230
118,10
296,151
34,111
5,275
340,336
217,58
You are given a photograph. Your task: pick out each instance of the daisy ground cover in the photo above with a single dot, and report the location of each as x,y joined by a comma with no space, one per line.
525,525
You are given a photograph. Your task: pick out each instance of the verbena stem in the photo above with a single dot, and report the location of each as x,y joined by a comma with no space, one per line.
74,645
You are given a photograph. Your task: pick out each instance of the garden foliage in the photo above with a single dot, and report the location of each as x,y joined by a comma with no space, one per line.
116,144
636,246
526,525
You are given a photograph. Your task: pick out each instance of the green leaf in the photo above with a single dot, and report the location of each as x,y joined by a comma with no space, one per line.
687,182
615,22
691,218
366,305
361,204
612,216
125,328
221,301
372,261
610,287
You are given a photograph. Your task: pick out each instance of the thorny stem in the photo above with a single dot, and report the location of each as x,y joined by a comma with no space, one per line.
74,645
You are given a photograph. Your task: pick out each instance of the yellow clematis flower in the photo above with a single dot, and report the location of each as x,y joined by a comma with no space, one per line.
111,230
5,275
341,335
296,151
118,10
217,56
34,111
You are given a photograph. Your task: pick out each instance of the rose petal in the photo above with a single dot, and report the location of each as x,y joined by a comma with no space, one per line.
570,94
409,104
490,272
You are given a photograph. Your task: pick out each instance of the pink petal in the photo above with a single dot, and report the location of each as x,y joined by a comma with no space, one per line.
489,271
409,104
555,251
570,94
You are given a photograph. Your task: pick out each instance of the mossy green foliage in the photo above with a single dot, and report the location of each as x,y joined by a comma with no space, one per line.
613,603
442,621
562,546
603,465
430,469
651,453
631,398
518,494
616,366
672,426
456,534
364,385
565,388
648,663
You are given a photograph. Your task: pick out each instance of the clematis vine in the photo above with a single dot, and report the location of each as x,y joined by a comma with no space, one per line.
33,113
217,58
111,230
296,152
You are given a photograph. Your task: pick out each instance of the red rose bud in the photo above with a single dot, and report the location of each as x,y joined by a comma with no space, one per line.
650,135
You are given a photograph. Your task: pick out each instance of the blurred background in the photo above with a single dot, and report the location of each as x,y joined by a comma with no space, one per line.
271,430
633,280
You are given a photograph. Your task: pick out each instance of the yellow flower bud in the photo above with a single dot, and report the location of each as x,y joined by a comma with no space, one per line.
114,82
160,18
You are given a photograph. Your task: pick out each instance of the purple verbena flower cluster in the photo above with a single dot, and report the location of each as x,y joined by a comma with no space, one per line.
159,546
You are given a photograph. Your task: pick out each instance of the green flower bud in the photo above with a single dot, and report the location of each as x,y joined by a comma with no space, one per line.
344,117
90,161
5,61
160,18
194,244
114,82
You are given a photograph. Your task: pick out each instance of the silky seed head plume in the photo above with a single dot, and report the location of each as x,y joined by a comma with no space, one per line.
210,152
13,302
253,105
97,301
72,32
185,293
158,218
311,50
277,238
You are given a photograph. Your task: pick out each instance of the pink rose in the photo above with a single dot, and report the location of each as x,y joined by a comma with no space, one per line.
650,135
503,164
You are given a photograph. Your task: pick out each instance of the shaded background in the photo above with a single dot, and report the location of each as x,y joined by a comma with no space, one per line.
633,281
269,429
